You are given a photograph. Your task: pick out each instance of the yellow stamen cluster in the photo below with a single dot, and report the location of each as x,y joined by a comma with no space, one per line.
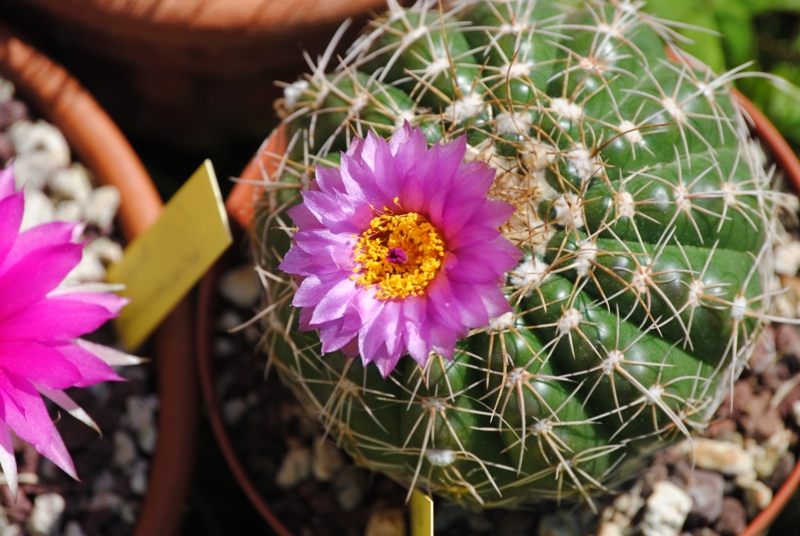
421,242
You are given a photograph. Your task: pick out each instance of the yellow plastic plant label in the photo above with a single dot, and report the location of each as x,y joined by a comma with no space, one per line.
161,265
421,514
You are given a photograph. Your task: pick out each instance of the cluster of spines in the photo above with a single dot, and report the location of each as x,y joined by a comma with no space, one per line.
624,210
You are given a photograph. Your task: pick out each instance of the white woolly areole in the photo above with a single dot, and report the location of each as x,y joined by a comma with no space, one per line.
631,132
564,108
518,69
509,122
582,163
570,320
538,156
739,308
673,108
614,358
293,92
468,106
696,289
440,457
529,274
584,257
515,376
502,322
625,205
569,211
437,66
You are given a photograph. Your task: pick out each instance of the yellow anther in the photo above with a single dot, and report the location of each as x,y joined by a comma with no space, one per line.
400,254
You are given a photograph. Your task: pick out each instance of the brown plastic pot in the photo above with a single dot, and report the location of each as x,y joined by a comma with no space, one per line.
189,70
100,145
241,206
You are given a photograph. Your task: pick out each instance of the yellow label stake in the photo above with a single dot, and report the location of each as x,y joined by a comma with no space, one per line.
161,265
421,514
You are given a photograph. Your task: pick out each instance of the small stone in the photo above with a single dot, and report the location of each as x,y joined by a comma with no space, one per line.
104,500
102,206
71,183
41,149
388,522
6,150
666,510
140,416
106,250
733,519
706,490
610,528
782,470
787,258
73,528
124,449
241,286
223,347
68,211
13,530
228,320
756,498
12,111
90,269
295,467
105,481
47,510
787,341
138,478
233,410
727,458
7,90
327,460
349,488
38,209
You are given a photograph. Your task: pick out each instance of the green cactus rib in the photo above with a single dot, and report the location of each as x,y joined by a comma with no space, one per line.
644,211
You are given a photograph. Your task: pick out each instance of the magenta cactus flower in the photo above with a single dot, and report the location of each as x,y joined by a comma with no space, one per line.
40,322
398,251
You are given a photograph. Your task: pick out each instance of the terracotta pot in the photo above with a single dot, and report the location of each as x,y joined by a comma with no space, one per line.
241,207
191,68
99,144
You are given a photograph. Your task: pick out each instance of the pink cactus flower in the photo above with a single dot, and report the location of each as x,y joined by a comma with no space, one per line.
398,251
40,322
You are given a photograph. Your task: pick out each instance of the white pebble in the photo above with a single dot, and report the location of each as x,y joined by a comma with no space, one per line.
38,209
124,449
90,269
224,347
47,510
756,497
787,258
102,206
6,90
73,528
241,286
104,500
727,458
233,410
610,528
327,460
295,467
68,211
666,510
349,488
106,250
41,149
140,416
105,481
71,183
13,530
228,320
138,480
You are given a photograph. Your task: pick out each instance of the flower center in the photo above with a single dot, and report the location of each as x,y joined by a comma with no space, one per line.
401,253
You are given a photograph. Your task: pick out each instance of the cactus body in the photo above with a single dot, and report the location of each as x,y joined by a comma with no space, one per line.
644,214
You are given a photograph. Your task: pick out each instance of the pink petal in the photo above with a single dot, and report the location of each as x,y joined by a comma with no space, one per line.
40,363
24,411
11,209
91,368
54,318
8,461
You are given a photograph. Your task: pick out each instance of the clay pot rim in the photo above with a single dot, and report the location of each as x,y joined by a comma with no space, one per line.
241,205
101,146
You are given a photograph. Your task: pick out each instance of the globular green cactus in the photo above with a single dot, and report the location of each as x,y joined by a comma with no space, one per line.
643,211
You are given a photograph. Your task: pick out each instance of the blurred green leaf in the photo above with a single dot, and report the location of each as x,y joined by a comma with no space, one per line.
705,42
758,7
780,100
